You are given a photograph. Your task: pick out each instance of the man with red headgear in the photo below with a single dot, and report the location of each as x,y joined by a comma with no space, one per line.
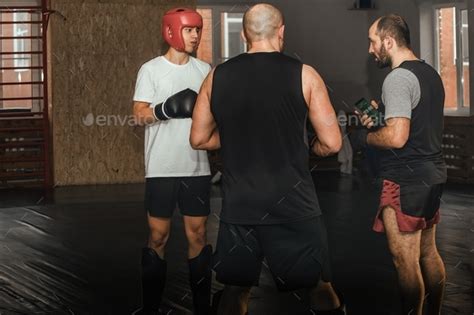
176,174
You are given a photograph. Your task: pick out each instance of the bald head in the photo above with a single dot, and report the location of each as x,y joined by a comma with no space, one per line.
261,22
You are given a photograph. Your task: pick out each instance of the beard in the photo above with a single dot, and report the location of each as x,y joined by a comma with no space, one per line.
383,60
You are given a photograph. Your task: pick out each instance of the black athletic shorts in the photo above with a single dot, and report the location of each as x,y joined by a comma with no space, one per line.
190,194
296,254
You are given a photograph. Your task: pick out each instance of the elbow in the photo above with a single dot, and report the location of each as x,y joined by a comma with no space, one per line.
399,142
328,149
196,143
335,142
336,146
196,146
199,146
195,137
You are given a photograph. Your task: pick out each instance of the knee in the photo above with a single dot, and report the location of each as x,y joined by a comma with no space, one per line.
429,253
158,239
322,287
427,256
196,234
402,261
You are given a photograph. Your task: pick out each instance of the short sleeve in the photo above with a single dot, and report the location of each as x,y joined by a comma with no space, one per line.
208,68
144,88
400,93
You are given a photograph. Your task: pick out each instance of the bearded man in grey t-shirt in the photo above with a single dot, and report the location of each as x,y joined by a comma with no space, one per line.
412,168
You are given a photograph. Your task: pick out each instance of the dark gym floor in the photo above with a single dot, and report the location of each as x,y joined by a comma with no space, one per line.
80,254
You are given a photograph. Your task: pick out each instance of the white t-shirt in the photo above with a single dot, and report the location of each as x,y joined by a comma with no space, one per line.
168,152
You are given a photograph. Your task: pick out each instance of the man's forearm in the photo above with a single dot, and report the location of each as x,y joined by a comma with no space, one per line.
382,138
144,116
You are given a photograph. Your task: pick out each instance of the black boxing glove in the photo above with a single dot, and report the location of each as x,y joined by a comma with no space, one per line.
179,105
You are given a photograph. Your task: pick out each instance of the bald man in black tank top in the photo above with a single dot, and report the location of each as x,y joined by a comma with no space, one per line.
254,108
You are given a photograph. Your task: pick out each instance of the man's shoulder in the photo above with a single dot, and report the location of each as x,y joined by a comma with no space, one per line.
400,76
400,72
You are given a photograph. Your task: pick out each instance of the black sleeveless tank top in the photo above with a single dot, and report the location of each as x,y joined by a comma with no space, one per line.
258,104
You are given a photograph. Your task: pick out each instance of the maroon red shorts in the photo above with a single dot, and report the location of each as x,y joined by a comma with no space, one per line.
416,205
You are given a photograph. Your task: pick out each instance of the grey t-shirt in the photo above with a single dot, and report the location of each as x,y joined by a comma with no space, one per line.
400,93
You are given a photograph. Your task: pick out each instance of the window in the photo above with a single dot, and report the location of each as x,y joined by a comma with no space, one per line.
221,38
232,43
19,44
21,58
465,58
452,49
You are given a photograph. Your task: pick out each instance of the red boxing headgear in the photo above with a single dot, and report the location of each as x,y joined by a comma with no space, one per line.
173,23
